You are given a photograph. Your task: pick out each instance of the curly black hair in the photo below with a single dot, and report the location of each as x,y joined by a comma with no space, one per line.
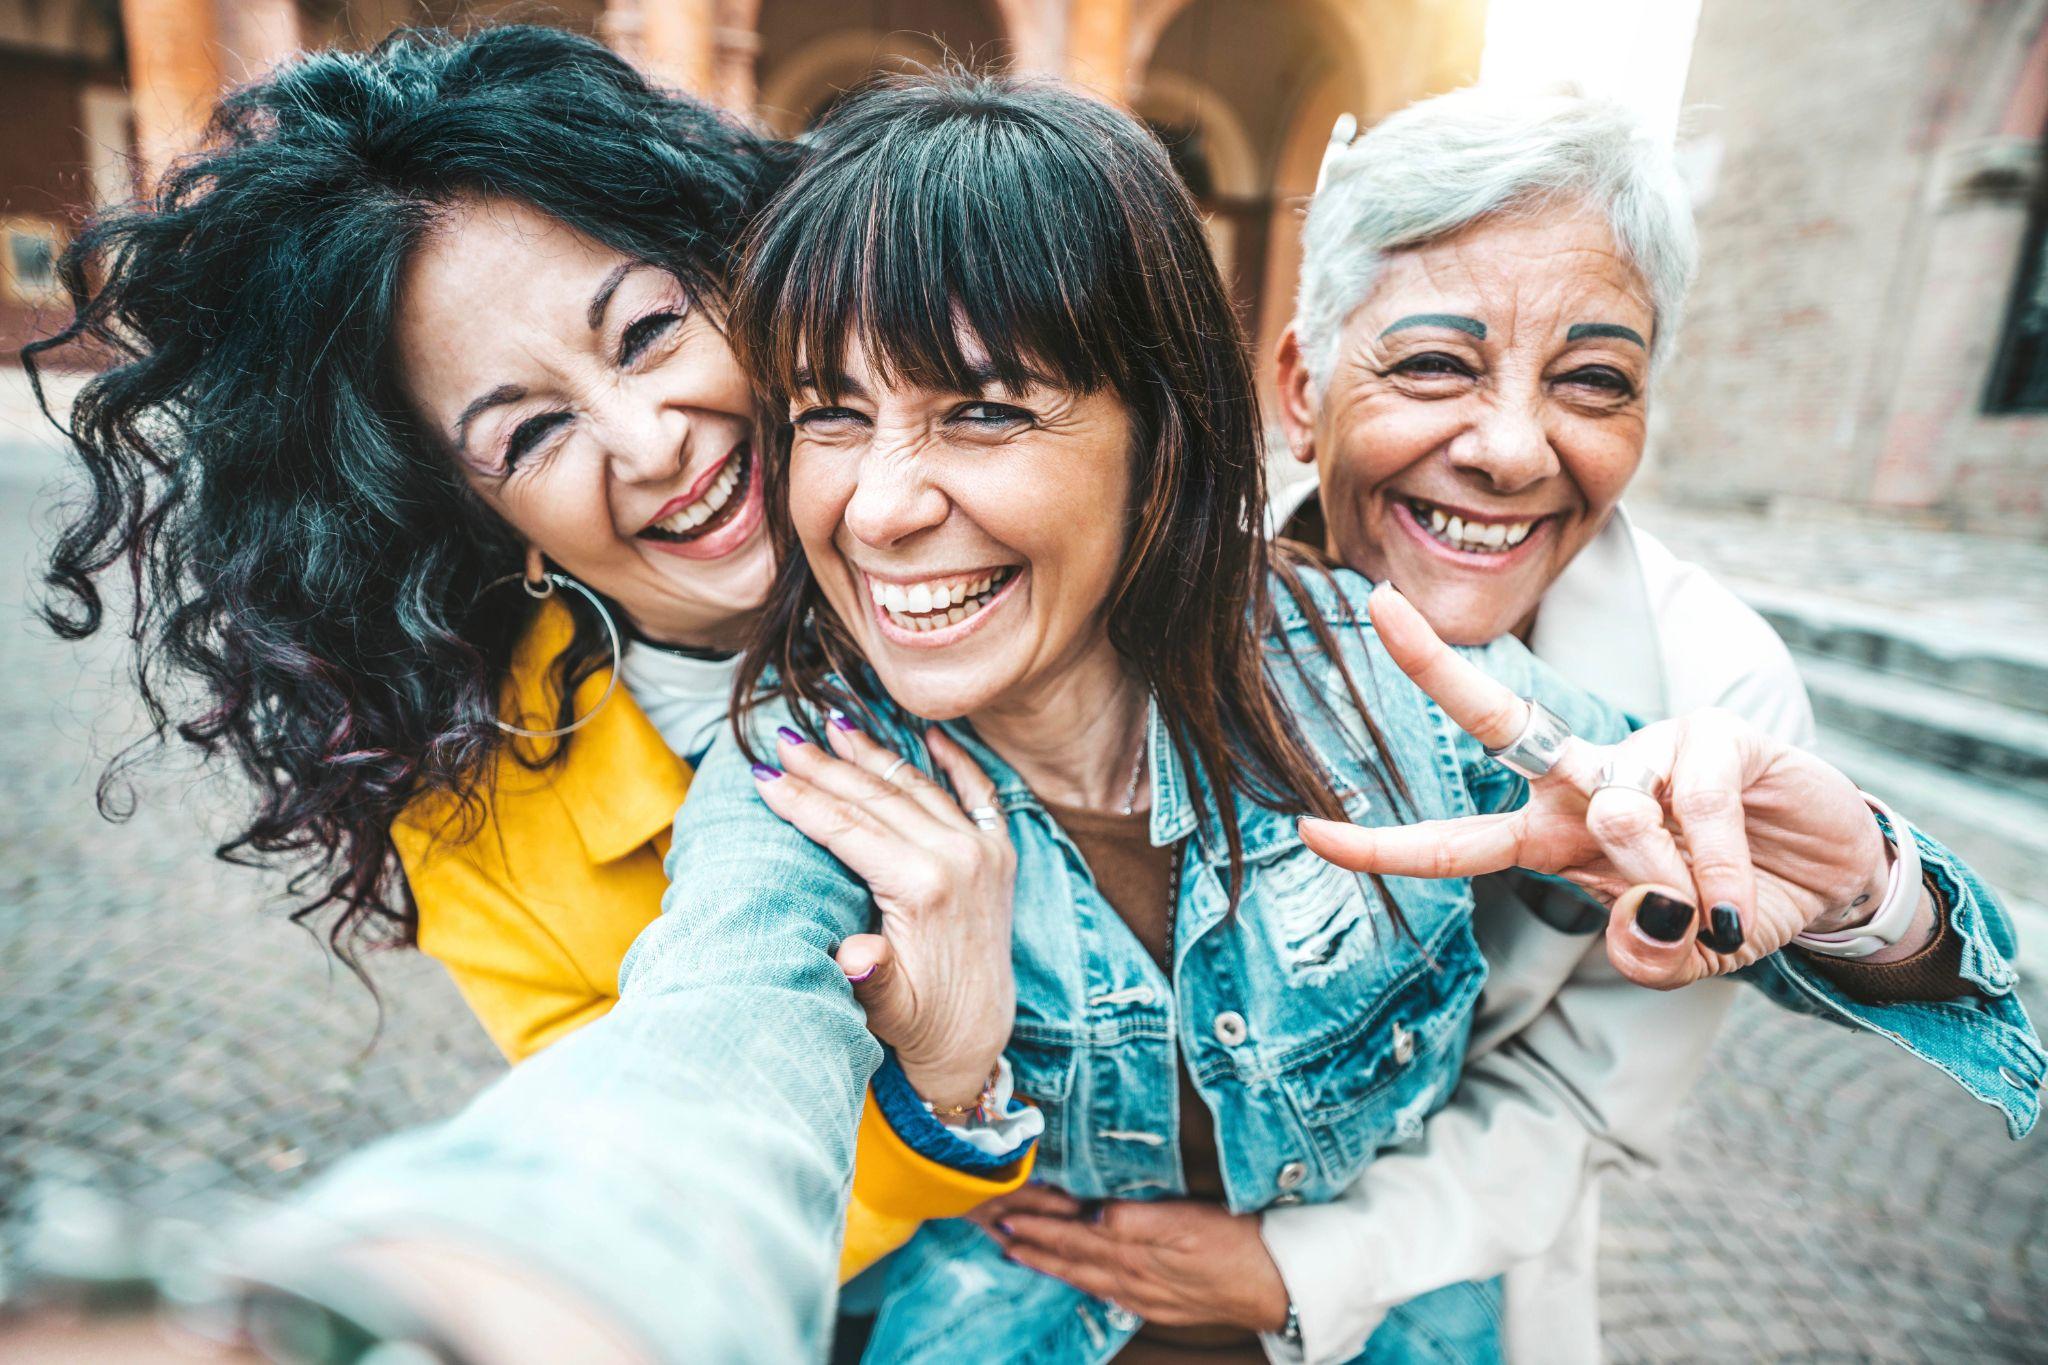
297,545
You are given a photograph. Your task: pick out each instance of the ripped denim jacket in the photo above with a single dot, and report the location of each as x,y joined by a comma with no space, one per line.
1318,1028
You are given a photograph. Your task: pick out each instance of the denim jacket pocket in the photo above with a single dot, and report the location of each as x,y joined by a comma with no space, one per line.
1372,1083
1043,1059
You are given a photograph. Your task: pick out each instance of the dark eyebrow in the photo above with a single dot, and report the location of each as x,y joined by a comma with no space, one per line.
496,398
602,299
1471,326
1582,331
842,385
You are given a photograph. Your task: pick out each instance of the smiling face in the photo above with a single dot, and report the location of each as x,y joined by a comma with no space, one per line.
968,541
1484,414
596,409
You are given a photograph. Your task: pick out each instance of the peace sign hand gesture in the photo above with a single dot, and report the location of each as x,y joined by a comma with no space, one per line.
1767,838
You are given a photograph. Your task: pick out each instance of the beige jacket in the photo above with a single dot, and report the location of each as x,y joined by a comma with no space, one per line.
1572,1070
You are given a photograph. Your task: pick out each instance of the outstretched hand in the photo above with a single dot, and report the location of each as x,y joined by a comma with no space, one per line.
1757,839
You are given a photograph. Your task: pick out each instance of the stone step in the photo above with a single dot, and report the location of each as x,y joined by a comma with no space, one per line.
1991,742
2007,669
2002,831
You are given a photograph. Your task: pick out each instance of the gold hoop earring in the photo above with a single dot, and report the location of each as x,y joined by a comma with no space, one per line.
541,590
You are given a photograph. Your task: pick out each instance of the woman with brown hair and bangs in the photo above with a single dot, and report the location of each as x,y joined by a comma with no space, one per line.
1024,606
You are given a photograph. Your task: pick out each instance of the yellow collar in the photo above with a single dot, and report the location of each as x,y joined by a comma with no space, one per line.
619,781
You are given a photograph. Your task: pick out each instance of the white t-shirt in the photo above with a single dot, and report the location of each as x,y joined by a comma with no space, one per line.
687,699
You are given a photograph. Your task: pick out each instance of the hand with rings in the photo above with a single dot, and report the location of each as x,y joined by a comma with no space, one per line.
935,977
1714,843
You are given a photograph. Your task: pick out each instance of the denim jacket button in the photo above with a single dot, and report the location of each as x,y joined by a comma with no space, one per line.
1404,1045
1230,1028
1121,1319
1291,1175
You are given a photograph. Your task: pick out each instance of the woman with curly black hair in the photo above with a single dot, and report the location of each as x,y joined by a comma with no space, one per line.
423,445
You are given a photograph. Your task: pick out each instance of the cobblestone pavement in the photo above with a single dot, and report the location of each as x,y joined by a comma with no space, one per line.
165,1033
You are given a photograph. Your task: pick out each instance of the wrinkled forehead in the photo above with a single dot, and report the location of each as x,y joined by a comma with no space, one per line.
1536,270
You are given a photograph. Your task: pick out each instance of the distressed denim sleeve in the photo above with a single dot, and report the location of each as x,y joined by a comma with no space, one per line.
683,1162
1985,1042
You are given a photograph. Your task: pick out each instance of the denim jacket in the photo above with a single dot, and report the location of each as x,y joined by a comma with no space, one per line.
1317,1029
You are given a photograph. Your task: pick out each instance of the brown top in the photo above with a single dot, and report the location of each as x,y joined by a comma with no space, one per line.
1137,880
1933,973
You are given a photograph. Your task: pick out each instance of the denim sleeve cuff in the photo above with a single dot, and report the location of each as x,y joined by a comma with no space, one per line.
933,1140
1984,1040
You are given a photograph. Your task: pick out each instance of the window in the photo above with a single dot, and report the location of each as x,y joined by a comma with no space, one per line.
29,248
2019,377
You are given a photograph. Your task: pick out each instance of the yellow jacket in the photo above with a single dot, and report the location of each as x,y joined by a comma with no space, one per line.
532,909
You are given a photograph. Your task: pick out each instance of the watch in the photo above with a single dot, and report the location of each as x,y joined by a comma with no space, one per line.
1894,914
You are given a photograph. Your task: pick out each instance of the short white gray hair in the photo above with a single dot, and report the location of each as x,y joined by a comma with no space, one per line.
1445,163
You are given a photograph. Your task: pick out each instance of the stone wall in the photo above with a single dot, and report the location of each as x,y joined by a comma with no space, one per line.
1865,168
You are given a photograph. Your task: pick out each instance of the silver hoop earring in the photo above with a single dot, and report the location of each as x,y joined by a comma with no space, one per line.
541,592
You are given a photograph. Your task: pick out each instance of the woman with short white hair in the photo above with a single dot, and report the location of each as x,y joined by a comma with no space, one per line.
1486,284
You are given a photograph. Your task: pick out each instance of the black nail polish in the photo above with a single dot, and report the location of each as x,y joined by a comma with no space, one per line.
1663,918
790,735
1723,933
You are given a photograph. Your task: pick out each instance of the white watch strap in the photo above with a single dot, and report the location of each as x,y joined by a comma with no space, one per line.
1894,915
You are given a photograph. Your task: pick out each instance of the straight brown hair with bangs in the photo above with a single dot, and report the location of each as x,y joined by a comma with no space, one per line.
1051,229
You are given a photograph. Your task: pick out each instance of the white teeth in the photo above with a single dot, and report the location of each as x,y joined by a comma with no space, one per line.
931,605
1472,537
705,508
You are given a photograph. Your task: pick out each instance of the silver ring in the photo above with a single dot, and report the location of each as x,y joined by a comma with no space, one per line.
1631,774
988,817
1536,750
890,771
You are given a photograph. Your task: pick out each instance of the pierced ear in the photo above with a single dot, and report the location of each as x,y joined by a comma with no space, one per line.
536,564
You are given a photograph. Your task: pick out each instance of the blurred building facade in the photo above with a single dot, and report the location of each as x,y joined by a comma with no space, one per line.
1870,332
1244,91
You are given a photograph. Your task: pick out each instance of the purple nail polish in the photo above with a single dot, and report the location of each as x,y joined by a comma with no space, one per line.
856,980
764,773
1005,1229
790,735
842,721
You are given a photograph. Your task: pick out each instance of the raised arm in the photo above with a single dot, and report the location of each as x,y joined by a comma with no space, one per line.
681,1165
1756,843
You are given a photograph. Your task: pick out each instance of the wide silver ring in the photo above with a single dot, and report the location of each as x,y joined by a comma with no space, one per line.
890,771
1631,774
988,817
1536,750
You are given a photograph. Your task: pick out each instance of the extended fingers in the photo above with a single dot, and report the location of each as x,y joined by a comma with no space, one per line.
1044,1200
830,820
1071,1239
1465,847
1481,706
852,770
